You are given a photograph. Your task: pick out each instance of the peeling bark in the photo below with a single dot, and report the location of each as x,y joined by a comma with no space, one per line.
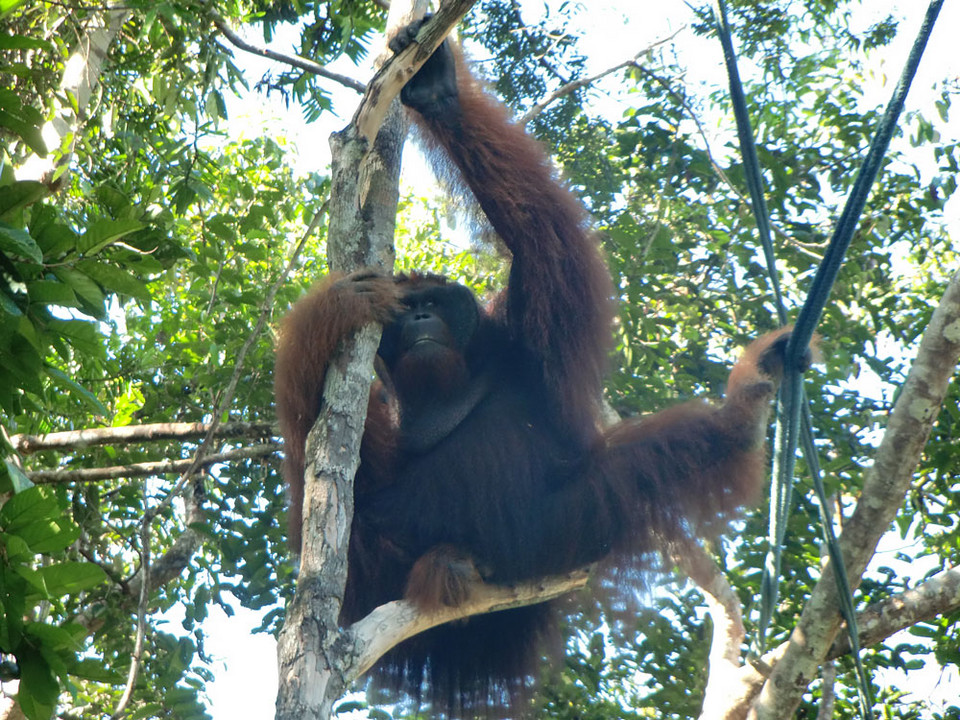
313,661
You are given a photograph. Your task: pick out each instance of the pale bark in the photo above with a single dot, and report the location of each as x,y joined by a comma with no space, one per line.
149,469
940,595
10,709
388,625
828,695
88,437
728,634
366,163
311,665
81,75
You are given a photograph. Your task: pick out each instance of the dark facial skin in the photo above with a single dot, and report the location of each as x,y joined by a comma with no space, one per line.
434,318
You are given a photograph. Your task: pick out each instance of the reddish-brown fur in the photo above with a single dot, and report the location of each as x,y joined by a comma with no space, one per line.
526,484
310,335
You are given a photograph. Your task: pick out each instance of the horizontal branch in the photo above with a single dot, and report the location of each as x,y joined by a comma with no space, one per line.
390,624
293,60
940,595
74,439
146,469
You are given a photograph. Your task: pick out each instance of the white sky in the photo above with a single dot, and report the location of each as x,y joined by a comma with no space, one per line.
613,30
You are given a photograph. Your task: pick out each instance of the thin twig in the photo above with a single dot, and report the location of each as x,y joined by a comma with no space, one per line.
701,131
144,574
575,85
293,60
266,309
828,694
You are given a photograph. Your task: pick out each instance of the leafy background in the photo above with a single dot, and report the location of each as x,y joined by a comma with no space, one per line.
132,278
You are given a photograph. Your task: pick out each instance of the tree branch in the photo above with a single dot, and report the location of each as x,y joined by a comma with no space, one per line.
226,398
147,469
828,694
386,84
88,437
366,161
142,607
161,570
728,633
721,173
293,60
936,596
81,75
176,558
940,595
169,566
364,196
388,625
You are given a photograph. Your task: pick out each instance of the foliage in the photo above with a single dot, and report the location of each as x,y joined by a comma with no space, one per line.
130,286
32,524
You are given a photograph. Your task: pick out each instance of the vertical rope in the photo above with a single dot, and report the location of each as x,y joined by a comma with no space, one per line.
793,412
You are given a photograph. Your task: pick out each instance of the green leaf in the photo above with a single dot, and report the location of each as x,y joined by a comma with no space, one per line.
86,289
127,405
51,292
8,6
150,710
104,232
38,685
81,334
8,306
20,42
12,607
35,503
55,238
19,481
61,378
222,227
349,706
27,330
16,241
16,549
20,194
71,577
113,279
54,638
25,130
93,669
924,631
48,536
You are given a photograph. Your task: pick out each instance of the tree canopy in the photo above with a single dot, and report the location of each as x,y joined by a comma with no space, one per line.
150,243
